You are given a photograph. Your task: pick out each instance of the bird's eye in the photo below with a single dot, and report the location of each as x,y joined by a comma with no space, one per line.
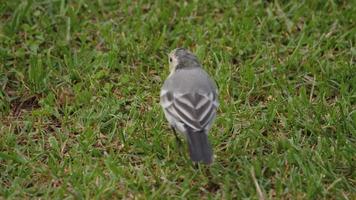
170,59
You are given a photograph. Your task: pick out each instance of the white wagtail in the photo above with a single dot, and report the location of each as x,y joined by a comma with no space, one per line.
189,98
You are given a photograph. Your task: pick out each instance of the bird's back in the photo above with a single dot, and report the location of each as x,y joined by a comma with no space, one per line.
192,80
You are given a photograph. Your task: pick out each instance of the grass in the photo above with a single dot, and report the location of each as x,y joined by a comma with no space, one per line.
79,99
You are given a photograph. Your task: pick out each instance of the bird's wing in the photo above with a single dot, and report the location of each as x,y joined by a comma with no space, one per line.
195,110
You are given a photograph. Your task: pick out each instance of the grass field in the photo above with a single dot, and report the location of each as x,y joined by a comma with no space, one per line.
79,99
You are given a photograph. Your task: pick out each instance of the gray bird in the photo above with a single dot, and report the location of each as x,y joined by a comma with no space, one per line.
189,99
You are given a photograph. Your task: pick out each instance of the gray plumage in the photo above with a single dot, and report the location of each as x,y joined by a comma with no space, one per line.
189,100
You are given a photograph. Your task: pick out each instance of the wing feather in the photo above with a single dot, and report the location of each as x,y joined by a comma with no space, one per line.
194,110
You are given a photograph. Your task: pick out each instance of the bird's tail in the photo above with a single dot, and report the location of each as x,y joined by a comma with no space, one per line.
199,147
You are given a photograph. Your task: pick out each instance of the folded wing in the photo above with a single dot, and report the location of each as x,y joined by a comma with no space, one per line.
195,110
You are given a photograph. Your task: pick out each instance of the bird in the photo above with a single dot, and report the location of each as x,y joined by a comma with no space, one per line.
189,98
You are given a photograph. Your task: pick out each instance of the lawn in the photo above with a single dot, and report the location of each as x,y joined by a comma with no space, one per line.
79,99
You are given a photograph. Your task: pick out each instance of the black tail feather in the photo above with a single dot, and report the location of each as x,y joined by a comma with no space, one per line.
199,147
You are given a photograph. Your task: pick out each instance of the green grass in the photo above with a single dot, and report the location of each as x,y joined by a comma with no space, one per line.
79,99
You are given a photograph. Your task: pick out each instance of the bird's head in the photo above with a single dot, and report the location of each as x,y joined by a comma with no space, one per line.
181,58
